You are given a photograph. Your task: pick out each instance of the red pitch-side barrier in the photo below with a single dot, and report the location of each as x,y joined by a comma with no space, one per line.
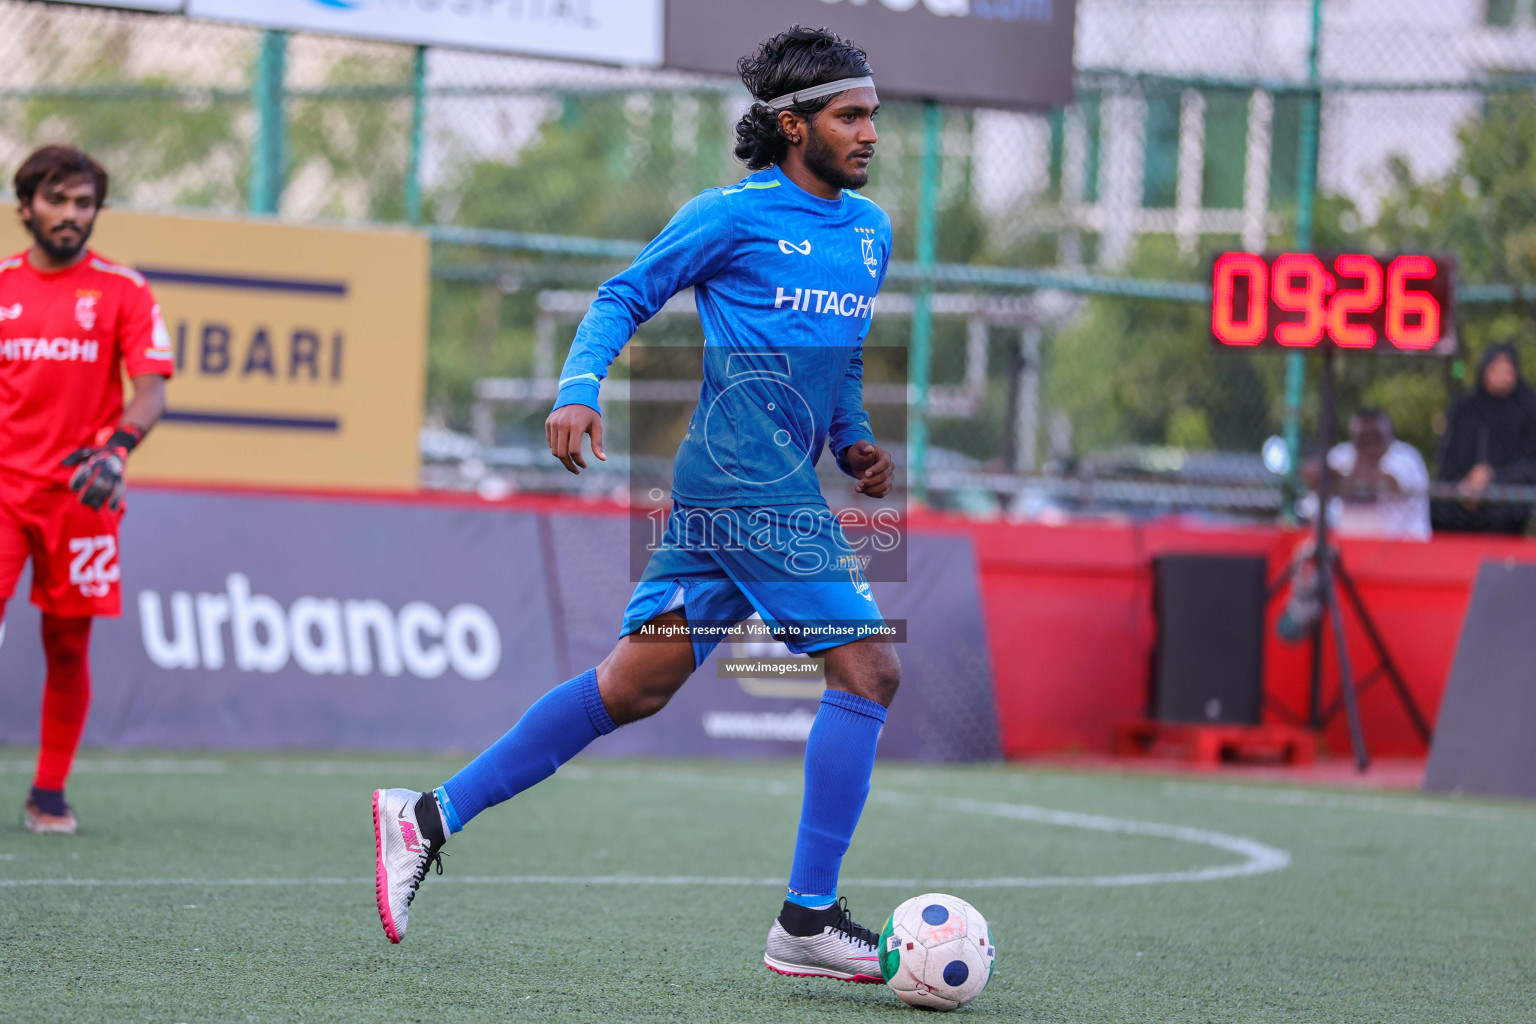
1069,616
1069,621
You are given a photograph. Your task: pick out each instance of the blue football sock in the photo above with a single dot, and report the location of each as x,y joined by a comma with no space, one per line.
839,756
558,726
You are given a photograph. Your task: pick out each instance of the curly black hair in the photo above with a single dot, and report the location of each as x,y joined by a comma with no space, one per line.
792,60
56,165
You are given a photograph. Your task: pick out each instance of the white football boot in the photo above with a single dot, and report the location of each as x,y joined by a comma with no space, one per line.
42,822
403,854
826,943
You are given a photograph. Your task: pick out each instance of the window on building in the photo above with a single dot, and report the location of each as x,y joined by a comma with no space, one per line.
1089,107
1501,13
1058,150
1093,125
1284,149
1226,148
1160,173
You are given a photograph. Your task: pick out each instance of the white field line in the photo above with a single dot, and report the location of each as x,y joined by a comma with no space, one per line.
1258,858
1336,801
126,766
1407,804
209,766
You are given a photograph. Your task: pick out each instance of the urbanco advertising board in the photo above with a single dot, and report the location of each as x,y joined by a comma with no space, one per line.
606,31
300,351
264,621
1004,53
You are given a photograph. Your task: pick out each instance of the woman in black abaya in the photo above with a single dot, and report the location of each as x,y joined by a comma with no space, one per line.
1490,439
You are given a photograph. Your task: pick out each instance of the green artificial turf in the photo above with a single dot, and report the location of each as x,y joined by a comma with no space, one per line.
1392,908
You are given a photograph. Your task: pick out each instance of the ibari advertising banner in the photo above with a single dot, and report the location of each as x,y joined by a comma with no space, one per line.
608,31
300,352
265,621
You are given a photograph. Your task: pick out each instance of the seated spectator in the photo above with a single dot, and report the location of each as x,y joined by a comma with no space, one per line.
1380,484
1490,438
1380,488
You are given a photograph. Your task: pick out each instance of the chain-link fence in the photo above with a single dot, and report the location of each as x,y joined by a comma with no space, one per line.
1068,363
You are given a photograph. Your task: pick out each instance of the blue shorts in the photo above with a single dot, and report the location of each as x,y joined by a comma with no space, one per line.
790,564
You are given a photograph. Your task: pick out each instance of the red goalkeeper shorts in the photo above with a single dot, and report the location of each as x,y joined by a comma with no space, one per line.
73,549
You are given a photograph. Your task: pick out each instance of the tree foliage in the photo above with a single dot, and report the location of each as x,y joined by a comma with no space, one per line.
357,148
1143,371
1132,371
162,138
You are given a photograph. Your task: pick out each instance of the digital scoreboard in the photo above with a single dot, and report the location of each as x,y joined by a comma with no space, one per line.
1349,301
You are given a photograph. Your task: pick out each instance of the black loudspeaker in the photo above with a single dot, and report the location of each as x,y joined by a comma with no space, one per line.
1483,740
1209,662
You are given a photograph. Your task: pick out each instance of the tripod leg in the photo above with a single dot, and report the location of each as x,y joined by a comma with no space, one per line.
1316,719
1346,677
1410,705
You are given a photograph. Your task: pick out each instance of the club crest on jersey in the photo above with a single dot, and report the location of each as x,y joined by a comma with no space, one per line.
85,309
867,242
10,312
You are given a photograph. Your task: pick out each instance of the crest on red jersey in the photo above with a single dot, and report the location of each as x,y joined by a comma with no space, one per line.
85,310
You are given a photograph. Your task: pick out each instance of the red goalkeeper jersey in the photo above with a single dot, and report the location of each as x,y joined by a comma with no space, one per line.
65,340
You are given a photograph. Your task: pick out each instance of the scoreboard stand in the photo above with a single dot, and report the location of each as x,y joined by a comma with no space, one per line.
1400,304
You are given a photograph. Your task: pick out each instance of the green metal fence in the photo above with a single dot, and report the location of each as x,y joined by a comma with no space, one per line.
1050,266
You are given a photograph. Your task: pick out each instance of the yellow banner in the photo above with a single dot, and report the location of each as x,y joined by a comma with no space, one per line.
300,351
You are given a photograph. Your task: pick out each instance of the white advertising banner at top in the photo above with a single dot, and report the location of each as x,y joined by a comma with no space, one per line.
607,31
137,5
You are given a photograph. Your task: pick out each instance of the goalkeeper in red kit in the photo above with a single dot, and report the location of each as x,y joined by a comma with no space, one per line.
71,323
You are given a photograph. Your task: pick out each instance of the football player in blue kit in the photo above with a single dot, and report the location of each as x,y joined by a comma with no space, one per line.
785,266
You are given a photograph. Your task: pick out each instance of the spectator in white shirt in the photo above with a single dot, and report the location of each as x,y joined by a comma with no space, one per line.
1381,484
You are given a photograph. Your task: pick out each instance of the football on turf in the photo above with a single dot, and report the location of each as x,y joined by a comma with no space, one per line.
936,951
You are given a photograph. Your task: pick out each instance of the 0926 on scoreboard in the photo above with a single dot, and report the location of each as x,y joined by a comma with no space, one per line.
1351,301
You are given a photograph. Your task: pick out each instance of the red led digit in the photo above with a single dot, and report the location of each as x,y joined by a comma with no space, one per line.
1250,330
1309,300
1403,304
1364,299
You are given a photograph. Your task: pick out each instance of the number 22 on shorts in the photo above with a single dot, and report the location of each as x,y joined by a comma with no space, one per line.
93,567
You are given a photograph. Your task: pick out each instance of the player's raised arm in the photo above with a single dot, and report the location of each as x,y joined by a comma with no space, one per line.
694,245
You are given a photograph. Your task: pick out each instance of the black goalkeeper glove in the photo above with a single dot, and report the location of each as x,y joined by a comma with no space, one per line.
99,479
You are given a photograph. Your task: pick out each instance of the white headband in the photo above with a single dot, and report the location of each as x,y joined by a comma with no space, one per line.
816,92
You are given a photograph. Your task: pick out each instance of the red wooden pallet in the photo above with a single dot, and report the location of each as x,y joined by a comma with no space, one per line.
1213,744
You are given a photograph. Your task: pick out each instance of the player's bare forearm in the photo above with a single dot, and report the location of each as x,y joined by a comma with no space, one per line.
564,429
148,403
872,468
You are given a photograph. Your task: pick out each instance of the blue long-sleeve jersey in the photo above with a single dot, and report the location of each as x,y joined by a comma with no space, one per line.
785,284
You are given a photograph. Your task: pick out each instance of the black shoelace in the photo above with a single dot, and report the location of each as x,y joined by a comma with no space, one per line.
432,857
846,924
